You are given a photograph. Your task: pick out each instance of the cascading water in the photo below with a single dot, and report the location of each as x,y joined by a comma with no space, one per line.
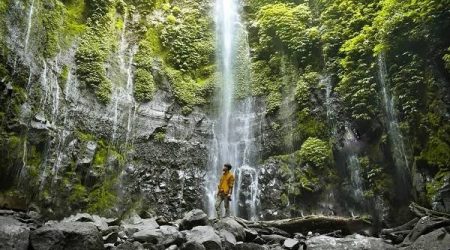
27,34
68,90
233,140
396,139
353,165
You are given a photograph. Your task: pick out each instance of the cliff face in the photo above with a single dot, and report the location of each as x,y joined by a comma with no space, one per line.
108,106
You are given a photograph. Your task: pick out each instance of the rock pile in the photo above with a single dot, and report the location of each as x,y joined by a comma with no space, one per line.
193,232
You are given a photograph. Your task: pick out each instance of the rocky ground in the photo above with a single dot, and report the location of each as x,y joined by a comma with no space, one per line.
19,230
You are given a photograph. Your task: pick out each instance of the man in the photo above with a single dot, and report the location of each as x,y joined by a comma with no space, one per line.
225,189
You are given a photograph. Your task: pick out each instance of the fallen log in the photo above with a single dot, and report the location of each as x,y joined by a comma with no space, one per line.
422,211
314,223
408,225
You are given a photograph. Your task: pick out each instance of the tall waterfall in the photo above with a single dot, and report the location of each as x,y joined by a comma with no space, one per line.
27,35
233,140
396,139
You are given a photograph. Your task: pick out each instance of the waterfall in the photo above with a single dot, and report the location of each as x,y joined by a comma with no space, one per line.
123,95
68,90
27,35
397,142
233,140
353,165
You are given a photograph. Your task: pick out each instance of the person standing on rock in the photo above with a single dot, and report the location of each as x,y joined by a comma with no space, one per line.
225,189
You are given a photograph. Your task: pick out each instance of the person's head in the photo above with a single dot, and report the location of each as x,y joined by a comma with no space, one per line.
226,167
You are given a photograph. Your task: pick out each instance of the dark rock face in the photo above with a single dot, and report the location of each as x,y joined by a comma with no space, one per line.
67,235
13,234
441,201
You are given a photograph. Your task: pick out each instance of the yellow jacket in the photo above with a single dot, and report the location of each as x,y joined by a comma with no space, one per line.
226,182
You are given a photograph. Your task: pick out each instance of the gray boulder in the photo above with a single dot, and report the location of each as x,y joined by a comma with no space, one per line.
130,246
192,245
291,244
229,241
206,236
67,235
249,246
139,225
273,238
13,234
165,235
355,241
232,226
80,217
435,240
193,218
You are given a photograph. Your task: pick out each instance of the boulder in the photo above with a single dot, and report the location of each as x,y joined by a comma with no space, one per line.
229,240
100,222
435,240
192,245
193,218
67,235
354,241
130,246
172,247
273,238
13,234
232,226
110,238
206,236
139,225
249,246
165,235
291,244
250,234
80,217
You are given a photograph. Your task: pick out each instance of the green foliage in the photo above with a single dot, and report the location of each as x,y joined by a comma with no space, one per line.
437,152
187,90
159,136
52,20
289,27
377,182
358,85
78,194
101,154
304,87
98,8
103,198
446,59
266,82
84,137
342,20
144,85
310,125
188,39
91,56
315,152
436,183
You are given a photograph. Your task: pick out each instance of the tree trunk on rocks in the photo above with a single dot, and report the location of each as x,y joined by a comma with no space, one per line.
432,227
315,223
